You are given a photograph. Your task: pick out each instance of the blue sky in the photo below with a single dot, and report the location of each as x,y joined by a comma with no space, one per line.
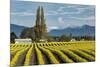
58,16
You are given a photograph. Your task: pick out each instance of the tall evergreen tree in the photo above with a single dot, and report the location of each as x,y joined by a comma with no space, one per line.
43,25
40,26
36,27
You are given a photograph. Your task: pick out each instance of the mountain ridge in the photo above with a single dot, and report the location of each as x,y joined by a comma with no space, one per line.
17,29
75,31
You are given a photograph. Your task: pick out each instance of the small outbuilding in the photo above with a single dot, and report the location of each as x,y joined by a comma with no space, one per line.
73,40
43,40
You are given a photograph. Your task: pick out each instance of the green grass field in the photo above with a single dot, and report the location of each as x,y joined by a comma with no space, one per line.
52,53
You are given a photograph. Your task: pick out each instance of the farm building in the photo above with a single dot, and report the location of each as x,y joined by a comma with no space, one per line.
73,39
23,41
43,40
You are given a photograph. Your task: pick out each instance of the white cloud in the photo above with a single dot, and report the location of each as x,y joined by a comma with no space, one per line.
79,9
52,27
51,12
63,23
23,13
84,18
60,20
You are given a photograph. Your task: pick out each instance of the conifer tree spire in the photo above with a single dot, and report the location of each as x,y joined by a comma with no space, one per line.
40,27
44,30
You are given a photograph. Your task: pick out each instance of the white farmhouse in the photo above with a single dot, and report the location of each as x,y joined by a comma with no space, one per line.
73,40
43,40
29,41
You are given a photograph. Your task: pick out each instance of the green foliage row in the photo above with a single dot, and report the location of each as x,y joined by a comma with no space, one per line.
28,56
84,55
39,55
62,55
50,55
18,56
74,56
89,52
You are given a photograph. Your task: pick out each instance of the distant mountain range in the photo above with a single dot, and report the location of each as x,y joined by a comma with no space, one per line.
17,29
76,31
